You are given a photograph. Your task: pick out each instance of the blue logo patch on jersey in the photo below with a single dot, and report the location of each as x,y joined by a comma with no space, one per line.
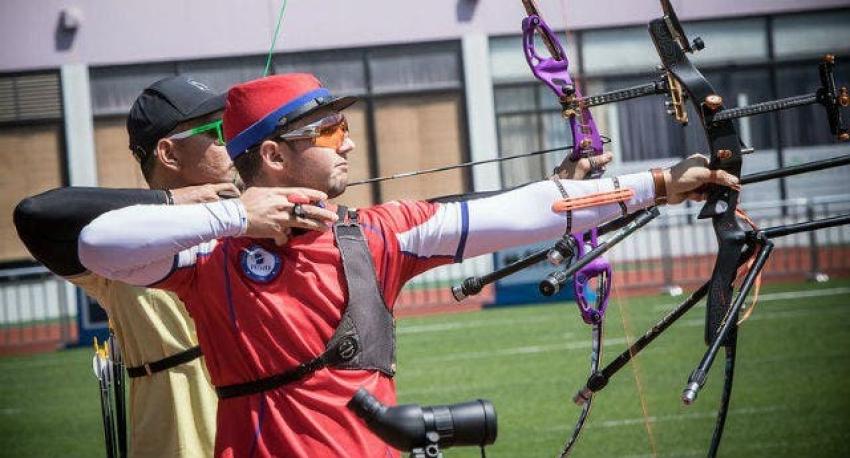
260,264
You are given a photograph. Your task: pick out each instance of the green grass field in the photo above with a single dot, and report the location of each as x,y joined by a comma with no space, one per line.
791,393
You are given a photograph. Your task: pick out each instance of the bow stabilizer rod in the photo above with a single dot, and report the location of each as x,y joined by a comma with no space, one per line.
553,283
763,238
729,324
565,247
473,285
599,380
795,170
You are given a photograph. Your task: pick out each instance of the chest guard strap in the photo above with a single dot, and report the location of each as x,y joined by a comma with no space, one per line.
365,336
367,321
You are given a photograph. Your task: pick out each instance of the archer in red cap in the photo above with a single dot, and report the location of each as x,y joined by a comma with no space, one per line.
291,329
272,125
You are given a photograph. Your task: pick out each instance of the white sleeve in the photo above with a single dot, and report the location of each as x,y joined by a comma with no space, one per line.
518,217
525,215
138,244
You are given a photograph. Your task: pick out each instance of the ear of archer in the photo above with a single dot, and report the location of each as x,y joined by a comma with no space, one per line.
167,154
273,155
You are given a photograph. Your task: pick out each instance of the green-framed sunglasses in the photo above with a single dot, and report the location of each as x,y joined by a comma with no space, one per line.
210,126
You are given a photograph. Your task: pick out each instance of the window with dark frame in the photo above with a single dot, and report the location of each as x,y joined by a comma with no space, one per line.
32,144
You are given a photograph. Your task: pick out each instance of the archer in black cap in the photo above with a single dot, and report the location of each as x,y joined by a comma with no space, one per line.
165,104
172,128
176,134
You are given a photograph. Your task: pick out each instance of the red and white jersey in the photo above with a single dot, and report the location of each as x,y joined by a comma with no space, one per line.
261,309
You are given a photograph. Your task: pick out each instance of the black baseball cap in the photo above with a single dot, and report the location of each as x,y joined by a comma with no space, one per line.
165,104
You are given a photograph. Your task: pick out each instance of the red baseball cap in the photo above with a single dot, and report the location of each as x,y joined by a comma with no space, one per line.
256,109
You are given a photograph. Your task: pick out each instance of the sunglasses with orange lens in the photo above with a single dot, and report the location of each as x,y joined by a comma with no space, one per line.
328,132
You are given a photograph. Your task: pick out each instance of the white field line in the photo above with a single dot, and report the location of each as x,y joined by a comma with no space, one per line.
440,327
777,296
583,344
778,315
808,293
676,417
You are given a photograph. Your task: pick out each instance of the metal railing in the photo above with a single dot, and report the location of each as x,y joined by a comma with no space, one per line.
37,311
678,249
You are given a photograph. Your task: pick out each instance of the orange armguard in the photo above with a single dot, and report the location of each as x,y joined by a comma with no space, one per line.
593,200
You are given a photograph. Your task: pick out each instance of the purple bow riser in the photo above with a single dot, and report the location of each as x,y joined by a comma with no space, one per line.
553,71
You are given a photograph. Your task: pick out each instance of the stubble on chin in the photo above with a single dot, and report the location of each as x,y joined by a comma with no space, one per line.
336,190
337,184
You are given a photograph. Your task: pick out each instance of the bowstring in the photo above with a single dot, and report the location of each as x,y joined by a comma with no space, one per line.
274,39
627,334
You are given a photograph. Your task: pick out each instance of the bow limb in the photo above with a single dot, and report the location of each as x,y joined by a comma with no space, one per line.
586,401
553,71
725,152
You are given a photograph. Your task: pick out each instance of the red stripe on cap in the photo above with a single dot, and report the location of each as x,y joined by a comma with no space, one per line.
249,102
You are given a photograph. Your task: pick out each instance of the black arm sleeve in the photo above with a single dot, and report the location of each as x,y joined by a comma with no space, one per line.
49,224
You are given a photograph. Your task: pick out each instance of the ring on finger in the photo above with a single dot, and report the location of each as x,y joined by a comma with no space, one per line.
298,211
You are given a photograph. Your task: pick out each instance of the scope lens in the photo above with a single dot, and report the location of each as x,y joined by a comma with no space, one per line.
468,423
